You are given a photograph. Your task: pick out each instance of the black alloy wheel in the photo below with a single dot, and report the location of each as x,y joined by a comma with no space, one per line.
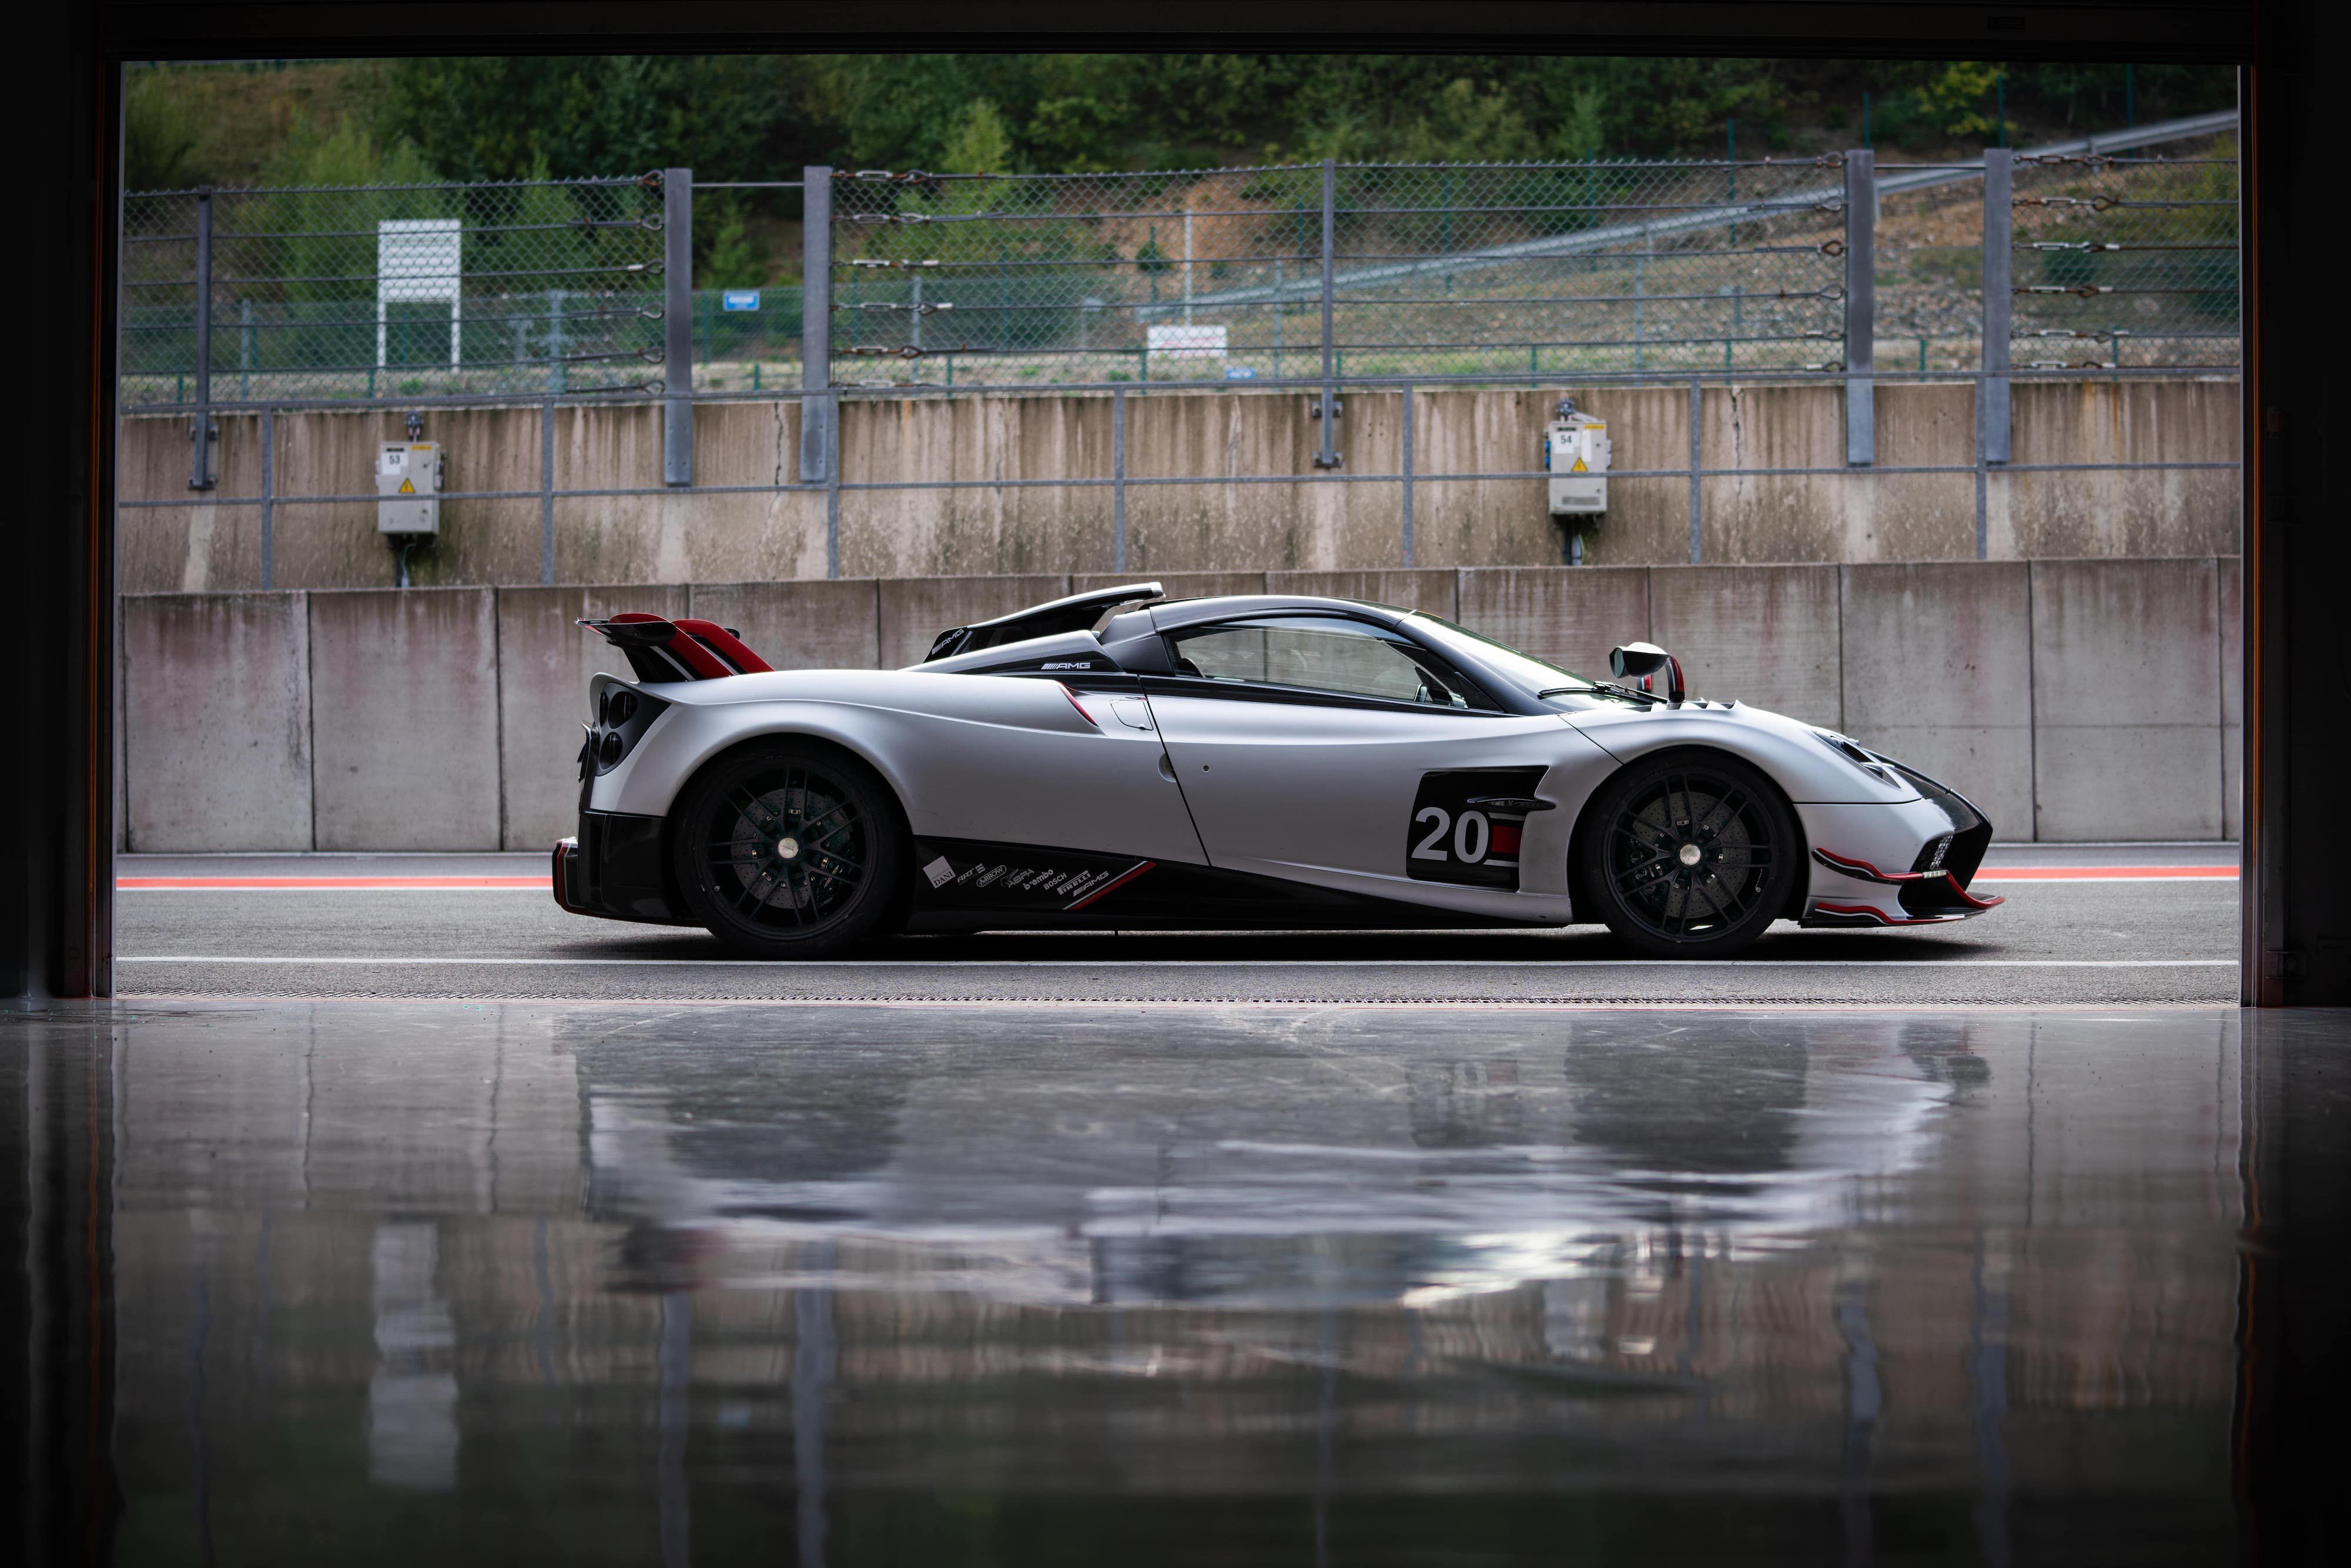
1693,854
789,849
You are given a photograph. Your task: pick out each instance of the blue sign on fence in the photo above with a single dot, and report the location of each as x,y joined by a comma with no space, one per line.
1240,372
739,299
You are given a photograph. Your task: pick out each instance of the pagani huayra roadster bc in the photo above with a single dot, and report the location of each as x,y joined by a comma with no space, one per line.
1128,762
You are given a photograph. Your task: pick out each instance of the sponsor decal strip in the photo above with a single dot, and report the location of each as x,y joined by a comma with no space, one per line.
1115,882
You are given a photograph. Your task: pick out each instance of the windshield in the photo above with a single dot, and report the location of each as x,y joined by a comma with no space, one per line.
1520,669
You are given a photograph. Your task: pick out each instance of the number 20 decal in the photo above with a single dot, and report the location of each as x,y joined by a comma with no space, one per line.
1461,830
1472,835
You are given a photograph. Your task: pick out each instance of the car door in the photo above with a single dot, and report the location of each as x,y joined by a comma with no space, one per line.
1030,760
1334,751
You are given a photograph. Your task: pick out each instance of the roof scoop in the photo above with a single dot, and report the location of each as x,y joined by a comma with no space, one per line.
1641,660
1078,612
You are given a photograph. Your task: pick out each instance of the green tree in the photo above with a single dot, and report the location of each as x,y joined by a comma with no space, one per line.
726,117
739,258
161,129
979,143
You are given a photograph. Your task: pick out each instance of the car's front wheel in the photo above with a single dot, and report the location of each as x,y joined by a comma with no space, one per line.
789,849
1692,854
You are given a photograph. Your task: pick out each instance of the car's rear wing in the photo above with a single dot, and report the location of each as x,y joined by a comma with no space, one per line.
683,649
1078,612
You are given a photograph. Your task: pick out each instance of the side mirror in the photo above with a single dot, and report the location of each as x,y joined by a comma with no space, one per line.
1643,660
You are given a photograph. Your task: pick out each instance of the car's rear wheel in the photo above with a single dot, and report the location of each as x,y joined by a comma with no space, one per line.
789,849
1692,854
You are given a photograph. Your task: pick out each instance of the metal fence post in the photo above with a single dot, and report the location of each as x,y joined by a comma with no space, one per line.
269,499
677,319
1697,429
1118,479
1327,455
1998,303
201,430
816,318
830,402
1860,307
547,491
1407,476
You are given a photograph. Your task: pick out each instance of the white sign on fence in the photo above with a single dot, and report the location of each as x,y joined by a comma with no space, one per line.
1183,342
417,261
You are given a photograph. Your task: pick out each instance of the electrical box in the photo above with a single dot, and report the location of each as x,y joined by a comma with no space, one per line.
408,478
1576,452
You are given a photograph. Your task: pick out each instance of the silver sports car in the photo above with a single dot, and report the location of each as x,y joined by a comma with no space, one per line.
1125,760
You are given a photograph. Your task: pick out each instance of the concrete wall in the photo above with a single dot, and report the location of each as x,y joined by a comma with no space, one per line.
2072,699
216,721
1307,524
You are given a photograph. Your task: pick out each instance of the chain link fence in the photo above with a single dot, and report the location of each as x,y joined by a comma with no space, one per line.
1308,273
420,290
2125,261
1433,270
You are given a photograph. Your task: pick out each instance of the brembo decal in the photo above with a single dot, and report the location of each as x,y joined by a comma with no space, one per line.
1014,877
1451,839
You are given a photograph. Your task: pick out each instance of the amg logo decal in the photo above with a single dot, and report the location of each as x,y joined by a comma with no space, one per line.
1068,664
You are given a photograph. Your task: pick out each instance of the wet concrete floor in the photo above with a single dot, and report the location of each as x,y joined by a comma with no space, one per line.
432,1281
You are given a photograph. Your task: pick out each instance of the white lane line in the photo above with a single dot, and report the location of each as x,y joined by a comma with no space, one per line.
536,890
2106,879
922,966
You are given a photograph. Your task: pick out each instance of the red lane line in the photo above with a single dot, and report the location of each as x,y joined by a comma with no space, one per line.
2102,873
308,882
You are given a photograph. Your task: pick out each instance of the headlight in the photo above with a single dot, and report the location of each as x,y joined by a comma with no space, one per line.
1878,768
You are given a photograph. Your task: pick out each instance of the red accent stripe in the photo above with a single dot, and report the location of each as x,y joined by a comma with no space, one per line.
1506,838
1114,884
307,881
726,644
1082,712
1853,863
699,660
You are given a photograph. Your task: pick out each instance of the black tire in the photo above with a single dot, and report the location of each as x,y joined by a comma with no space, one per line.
787,849
1689,853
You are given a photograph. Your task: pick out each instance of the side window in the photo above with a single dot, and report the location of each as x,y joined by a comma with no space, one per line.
1320,655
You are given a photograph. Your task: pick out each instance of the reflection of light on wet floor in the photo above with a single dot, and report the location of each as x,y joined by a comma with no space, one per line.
412,1397
781,1274
1772,1141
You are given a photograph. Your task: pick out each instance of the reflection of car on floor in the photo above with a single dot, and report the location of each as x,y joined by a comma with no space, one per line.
1124,760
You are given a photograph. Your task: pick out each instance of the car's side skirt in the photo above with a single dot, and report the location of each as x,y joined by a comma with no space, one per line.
967,884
